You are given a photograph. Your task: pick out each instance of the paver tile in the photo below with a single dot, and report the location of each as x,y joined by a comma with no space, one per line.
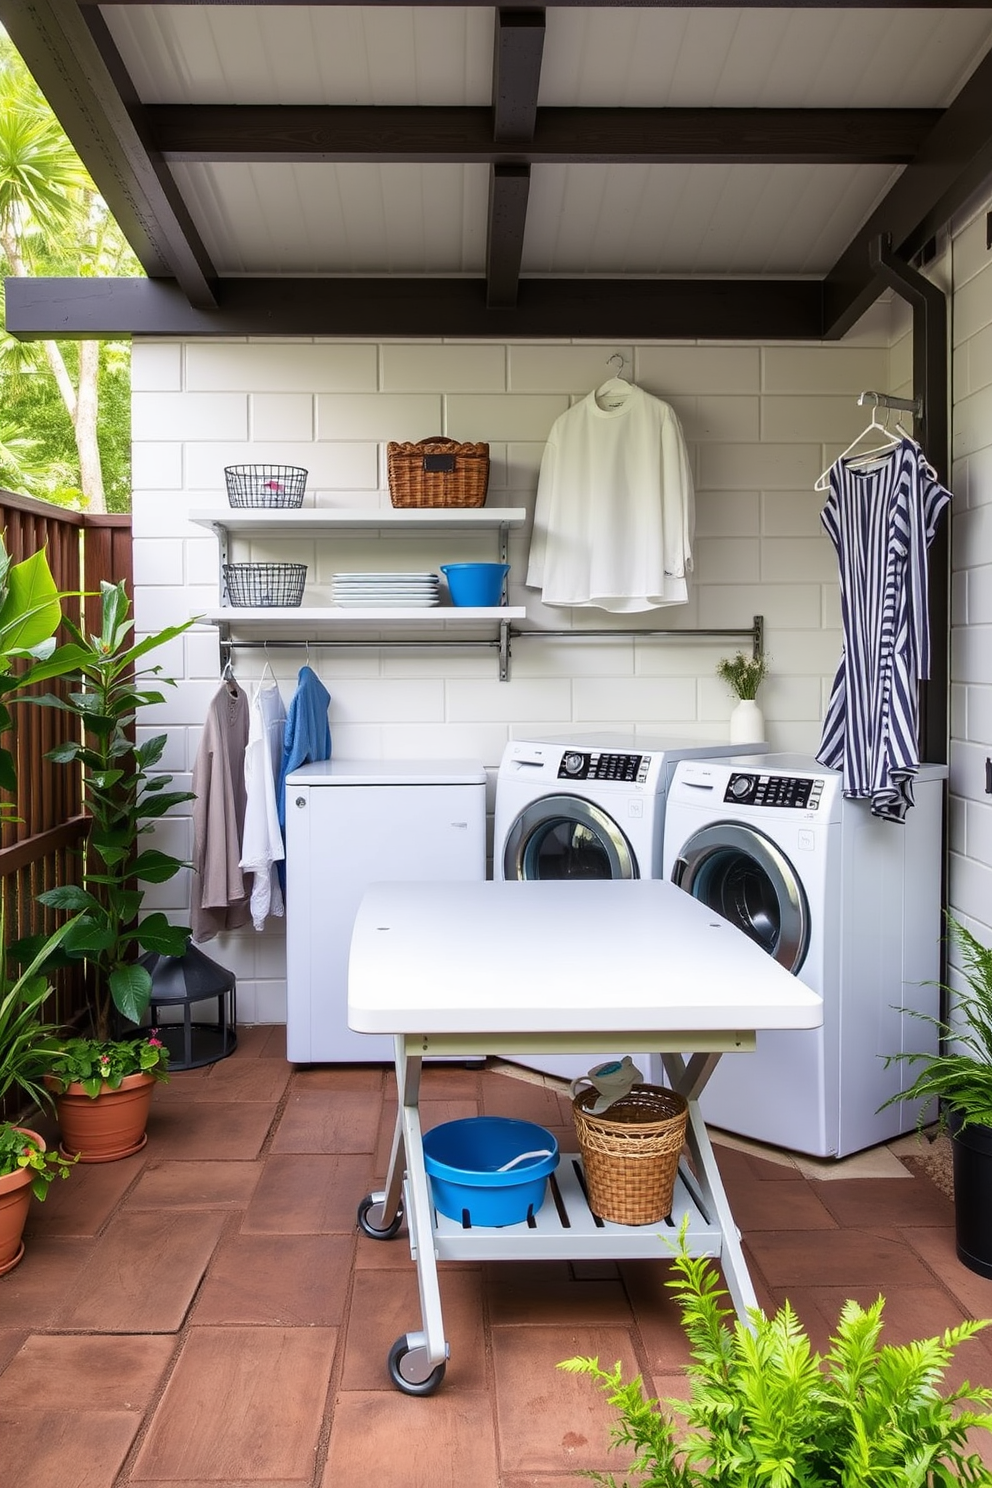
286,1280
144,1274
328,1121
301,1193
445,1442
242,1403
92,1374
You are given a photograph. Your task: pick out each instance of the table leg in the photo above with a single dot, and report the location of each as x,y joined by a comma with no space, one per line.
417,1360
380,1213
689,1078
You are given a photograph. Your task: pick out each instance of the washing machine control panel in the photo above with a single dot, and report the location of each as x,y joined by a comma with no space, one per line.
774,790
595,764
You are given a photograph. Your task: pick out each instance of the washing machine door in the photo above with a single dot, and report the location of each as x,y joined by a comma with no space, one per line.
744,876
566,837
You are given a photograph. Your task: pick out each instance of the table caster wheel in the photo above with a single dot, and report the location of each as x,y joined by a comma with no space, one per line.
406,1365
373,1202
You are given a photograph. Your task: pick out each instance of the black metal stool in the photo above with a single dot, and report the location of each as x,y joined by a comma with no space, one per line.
185,982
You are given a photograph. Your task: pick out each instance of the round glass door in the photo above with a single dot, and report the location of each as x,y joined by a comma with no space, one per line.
566,837
742,875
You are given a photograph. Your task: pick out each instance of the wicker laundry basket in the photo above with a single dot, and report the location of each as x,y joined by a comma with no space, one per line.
437,472
631,1152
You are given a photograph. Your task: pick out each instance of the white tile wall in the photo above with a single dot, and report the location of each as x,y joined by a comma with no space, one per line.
762,422
970,869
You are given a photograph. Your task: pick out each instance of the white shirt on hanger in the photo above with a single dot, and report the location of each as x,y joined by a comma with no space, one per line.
262,845
613,522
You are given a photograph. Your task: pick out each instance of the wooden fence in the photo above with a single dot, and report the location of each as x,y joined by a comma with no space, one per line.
42,848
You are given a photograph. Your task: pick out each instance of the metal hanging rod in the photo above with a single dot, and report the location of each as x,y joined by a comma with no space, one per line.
885,400
507,633
756,631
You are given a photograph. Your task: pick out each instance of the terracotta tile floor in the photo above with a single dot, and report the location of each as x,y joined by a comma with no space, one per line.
207,1312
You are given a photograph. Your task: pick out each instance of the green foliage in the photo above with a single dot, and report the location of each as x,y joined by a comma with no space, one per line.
27,1043
123,799
93,1063
30,614
25,1149
743,674
53,222
960,1078
765,1411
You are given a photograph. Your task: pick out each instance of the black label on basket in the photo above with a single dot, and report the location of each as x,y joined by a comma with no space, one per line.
439,462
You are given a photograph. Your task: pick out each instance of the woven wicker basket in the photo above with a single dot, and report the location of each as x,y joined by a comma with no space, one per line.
437,472
631,1152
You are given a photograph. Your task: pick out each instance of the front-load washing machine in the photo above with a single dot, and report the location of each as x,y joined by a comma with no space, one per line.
847,902
586,806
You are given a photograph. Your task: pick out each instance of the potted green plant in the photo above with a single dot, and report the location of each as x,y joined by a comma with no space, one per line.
28,1045
26,1168
123,797
958,1078
764,1409
103,1090
744,675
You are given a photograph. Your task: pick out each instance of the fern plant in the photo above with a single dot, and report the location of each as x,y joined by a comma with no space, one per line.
766,1411
960,1077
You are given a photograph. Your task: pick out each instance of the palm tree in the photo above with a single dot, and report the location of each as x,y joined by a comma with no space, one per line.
51,216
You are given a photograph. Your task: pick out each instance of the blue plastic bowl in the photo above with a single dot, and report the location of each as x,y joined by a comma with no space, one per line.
462,1157
479,584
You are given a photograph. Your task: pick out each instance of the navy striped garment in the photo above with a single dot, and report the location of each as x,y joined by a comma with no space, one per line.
881,519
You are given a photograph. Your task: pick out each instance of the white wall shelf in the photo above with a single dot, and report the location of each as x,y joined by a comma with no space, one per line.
244,521
326,619
335,624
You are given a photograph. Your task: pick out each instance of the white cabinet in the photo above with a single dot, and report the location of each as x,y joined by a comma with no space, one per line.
350,823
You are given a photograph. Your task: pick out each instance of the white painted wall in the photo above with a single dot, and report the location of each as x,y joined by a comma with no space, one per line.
761,421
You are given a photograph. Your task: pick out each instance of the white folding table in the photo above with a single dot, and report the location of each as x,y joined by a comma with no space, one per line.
466,969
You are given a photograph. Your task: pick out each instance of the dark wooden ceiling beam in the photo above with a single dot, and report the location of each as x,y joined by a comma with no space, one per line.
609,4
292,133
509,189
631,309
952,163
71,68
518,49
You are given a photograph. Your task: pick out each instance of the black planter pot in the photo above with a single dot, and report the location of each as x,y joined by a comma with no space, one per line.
972,1153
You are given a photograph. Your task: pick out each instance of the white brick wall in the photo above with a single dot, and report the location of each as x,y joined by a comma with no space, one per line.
762,422
970,866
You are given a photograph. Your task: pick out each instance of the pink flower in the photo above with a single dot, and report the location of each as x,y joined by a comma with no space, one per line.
154,1043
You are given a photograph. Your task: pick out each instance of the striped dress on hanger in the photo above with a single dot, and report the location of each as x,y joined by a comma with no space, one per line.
881,520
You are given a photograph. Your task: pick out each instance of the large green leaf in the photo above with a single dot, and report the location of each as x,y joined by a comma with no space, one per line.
68,896
160,804
31,611
156,934
87,936
131,989
150,752
155,867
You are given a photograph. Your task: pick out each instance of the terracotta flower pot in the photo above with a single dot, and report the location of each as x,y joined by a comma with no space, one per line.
107,1126
15,1200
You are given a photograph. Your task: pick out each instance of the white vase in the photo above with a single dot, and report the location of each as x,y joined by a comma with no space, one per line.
747,723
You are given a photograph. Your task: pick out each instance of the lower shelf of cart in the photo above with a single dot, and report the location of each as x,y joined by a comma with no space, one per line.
565,1228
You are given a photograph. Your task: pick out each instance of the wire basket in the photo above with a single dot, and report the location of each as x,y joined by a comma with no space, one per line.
631,1152
437,472
265,485
277,584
